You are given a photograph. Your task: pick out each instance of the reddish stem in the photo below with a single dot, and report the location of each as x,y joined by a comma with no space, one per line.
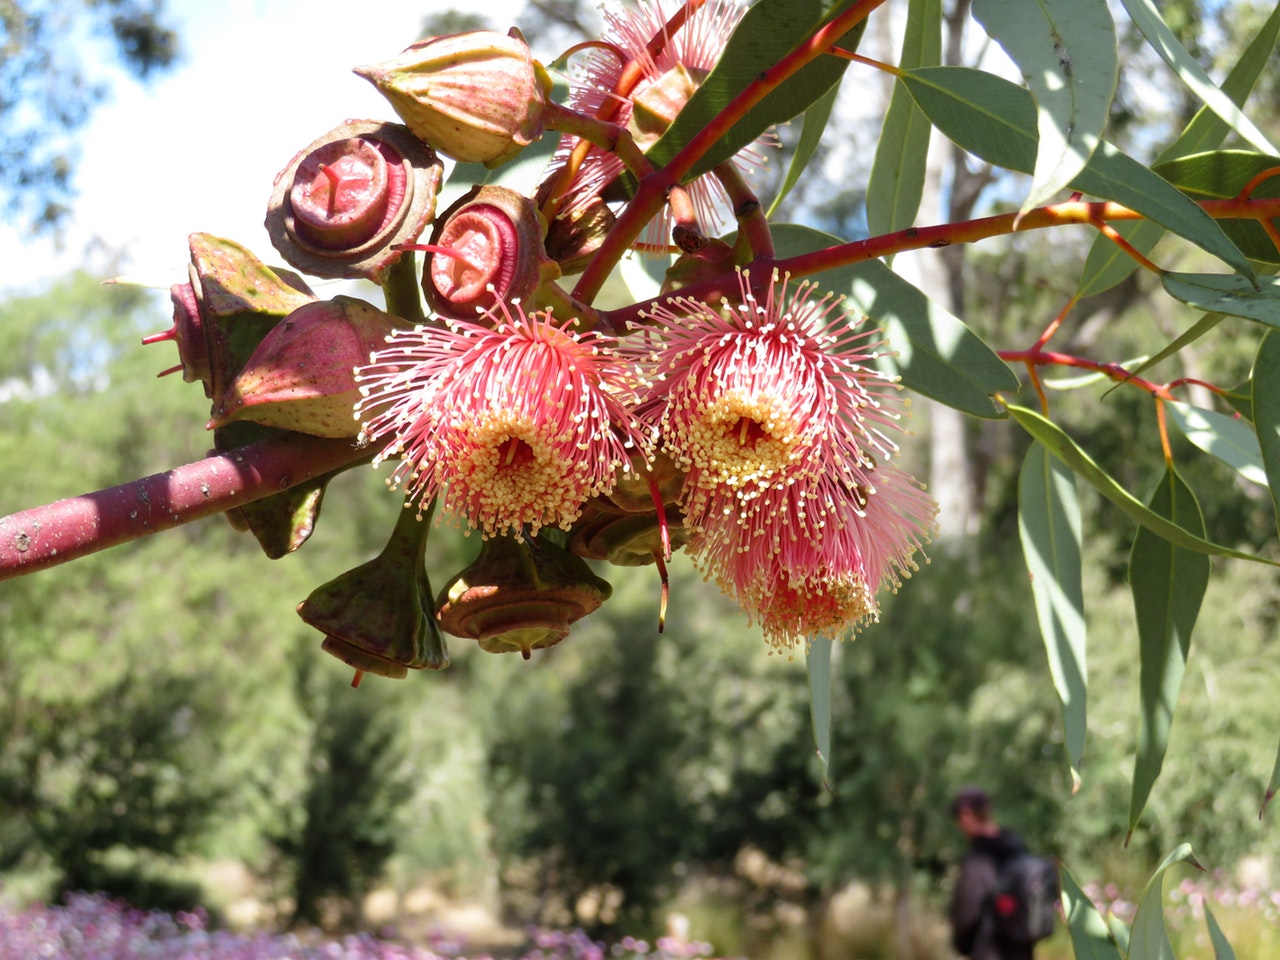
937,235
653,190
54,533
1113,371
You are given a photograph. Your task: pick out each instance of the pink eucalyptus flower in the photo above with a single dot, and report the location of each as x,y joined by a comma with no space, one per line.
808,559
757,395
782,425
514,423
647,108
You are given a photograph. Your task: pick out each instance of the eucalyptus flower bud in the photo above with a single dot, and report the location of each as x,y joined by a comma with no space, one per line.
228,305
346,203
476,97
302,375
519,595
485,249
377,617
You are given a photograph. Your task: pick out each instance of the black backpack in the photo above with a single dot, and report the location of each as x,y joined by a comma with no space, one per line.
1024,905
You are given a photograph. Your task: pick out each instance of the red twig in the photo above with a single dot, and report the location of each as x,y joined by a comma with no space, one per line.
68,529
652,190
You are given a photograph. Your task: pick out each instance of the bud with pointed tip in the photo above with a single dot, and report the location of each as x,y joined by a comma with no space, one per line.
346,203
302,375
377,617
476,97
519,595
230,302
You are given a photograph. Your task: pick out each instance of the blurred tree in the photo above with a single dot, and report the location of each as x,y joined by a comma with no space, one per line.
341,828
48,89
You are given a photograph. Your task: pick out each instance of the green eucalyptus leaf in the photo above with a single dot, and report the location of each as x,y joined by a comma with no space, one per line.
1150,939
769,31
1146,17
1230,440
1120,931
995,120
1220,175
1049,525
1265,408
1221,948
898,171
937,355
1066,50
1090,938
1273,786
1228,293
1107,264
1066,449
815,125
1168,584
1190,335
819,668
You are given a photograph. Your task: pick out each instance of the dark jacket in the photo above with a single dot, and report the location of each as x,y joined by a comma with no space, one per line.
972,932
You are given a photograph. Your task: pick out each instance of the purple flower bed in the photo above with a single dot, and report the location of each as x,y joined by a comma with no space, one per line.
94,927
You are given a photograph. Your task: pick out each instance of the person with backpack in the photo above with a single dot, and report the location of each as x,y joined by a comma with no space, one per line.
1005,898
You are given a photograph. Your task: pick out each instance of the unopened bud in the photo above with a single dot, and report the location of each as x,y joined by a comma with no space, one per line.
377,617
228,305
519,595
476,97
347,202
302,375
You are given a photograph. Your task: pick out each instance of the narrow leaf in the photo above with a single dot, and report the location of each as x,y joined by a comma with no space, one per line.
1049,524
1168,584
1265,404
1066,50
1228,293
1190,335
995,120
936,354
769,31
815,125
1150,940
819,665
1272,786
1120,931
1230,440
1221,948
1147,19
898,171
1066,449
1107,264
1090,938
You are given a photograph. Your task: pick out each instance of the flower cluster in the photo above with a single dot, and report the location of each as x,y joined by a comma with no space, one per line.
776,412
740,416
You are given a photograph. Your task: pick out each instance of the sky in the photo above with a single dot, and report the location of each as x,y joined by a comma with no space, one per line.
198,148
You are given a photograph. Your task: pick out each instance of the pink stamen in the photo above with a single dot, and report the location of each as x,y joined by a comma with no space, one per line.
442,251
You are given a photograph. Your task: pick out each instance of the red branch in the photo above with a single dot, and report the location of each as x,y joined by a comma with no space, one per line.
55,533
